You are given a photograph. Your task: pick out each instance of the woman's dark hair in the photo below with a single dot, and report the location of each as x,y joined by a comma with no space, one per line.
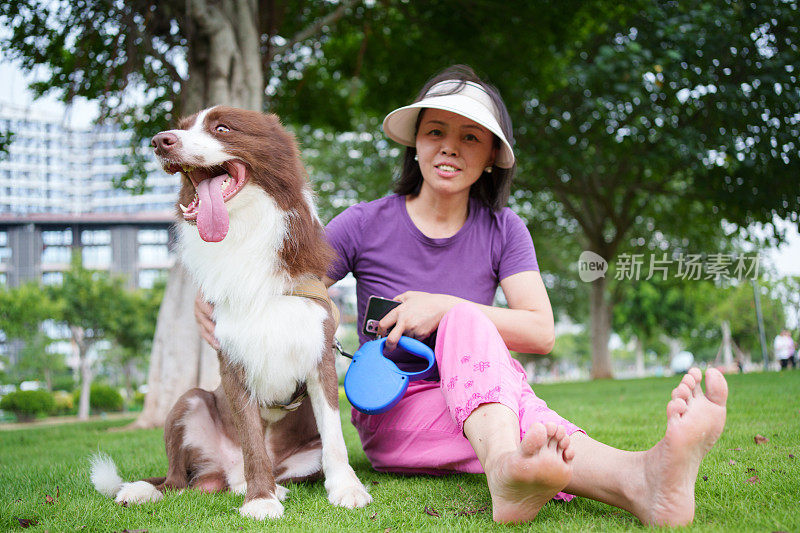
491,188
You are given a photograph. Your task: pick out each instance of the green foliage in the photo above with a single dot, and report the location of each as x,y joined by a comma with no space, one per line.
102,398
6,138
64,403
26,405
736,305
91,300
575,347
22,309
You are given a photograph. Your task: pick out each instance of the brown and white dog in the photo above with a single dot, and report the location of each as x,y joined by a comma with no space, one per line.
249,234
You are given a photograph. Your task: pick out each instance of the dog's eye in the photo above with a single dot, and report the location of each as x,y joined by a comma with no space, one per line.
222,128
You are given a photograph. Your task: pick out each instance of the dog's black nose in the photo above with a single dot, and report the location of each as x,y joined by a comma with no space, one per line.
164,142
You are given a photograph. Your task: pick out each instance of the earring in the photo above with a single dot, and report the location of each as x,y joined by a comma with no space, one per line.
488,169
416,157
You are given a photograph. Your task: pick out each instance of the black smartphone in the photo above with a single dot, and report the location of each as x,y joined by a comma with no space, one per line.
377,308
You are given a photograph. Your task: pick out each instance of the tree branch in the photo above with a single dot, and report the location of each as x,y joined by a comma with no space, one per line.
313,29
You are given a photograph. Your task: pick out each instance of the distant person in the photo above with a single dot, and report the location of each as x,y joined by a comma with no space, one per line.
784,349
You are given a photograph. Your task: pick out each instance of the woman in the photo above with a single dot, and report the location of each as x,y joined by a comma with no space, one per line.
440,246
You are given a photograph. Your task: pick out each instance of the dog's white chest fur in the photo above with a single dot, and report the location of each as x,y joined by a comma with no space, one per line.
277,339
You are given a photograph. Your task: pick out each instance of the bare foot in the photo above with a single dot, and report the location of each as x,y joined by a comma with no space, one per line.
694,423
523,480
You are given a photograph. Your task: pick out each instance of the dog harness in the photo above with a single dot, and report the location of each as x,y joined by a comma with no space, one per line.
309,287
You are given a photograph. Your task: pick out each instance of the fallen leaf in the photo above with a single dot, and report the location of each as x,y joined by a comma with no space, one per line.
373,515
387,530
753,480
760,439
731,462
705,478
753,470
431,511
791,456
27,522
49,499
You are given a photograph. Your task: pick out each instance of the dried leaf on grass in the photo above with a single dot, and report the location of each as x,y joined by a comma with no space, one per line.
469,511
49,499
753,480
27,522
705,478
431,511
760,439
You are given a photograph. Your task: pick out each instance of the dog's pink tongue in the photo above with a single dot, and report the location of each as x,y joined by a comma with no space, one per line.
212,216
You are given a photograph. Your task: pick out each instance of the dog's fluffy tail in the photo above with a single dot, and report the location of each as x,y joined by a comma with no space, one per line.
104,475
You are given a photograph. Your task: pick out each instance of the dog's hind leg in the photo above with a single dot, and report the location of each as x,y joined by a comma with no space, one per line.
261,500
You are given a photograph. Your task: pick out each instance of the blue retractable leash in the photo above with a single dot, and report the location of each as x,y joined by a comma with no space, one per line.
374,384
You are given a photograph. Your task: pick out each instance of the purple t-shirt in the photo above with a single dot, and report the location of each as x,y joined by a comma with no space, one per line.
388,254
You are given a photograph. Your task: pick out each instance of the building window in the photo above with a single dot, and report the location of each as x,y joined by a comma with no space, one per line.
153,254
58,255
149,276
57,238
98,257
95,237
52,278
152,236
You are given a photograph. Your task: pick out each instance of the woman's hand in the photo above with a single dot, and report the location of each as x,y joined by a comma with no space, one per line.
203,314
417,316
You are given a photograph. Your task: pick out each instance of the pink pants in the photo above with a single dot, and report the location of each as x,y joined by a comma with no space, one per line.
423,433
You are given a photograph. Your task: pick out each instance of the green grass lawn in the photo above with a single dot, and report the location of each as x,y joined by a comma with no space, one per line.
52,461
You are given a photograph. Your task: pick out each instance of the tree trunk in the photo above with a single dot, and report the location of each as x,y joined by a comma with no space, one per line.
224,69
639,351
85,369
180,358
601,330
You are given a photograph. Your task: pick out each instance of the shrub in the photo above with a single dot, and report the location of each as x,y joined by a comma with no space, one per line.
27,404
102,398
64,402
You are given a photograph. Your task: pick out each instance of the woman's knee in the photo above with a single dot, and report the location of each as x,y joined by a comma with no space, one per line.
465,311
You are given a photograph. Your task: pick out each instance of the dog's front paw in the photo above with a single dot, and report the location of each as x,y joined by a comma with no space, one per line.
281,492
262,508
239,488
138,492
350,496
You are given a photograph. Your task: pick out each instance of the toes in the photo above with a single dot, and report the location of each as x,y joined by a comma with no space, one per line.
569,454
716,386
682,392
698,377
534,439
560,433
563,443
676,408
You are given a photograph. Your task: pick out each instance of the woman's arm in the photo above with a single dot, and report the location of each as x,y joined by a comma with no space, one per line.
526,326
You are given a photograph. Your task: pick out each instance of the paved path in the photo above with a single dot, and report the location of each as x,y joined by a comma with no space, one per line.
58,420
